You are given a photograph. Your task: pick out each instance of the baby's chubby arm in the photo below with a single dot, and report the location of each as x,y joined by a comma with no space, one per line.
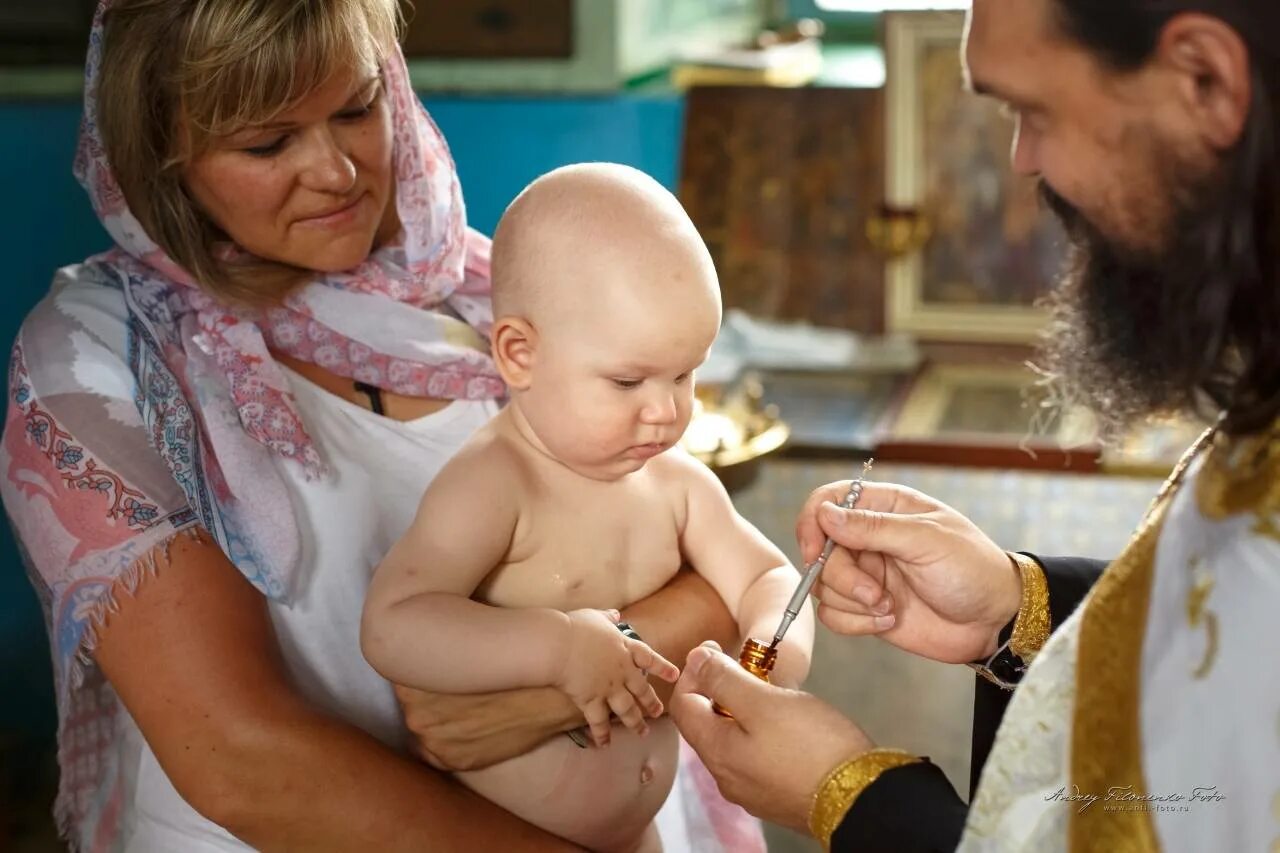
421,629
752,576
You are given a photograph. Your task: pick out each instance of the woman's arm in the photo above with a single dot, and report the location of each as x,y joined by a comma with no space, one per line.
471,732
194,659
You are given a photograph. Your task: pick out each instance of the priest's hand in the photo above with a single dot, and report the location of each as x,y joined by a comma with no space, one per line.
911,570
780,744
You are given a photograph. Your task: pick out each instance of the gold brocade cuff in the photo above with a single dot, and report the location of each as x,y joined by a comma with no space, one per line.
1031,628
836,794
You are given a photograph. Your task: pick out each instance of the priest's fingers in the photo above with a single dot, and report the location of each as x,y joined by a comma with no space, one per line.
877,497
853,624
835,600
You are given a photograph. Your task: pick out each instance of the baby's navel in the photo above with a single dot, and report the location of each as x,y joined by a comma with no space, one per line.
567,584
646,773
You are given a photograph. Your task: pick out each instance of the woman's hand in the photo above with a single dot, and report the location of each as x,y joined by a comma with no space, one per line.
773,754
910,569
470,732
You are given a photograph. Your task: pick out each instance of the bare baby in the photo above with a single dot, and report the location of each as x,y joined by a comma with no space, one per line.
575,501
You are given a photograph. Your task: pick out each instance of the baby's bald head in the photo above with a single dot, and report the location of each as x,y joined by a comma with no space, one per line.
605,303
596,235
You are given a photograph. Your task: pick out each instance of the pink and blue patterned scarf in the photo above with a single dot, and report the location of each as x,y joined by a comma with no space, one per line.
410,319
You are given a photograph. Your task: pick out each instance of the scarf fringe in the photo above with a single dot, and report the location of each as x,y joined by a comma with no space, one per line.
65,815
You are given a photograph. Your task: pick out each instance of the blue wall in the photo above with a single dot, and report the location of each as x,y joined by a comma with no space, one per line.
500,144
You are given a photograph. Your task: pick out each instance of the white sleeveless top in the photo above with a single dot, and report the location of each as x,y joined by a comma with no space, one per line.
349,520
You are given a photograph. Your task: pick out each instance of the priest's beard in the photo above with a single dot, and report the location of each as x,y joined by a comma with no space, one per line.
1133,331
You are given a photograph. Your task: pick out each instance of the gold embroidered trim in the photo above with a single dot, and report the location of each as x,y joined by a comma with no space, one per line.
838,791
1031,628
1242,475
1106,743
1199,615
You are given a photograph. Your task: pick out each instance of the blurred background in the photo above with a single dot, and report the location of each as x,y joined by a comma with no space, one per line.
881,268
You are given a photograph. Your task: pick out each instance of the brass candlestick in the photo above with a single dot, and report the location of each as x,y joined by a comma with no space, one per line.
898,231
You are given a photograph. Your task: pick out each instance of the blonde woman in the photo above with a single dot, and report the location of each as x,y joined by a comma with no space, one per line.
216,429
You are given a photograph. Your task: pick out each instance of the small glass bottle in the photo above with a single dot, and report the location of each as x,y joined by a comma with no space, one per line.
756,658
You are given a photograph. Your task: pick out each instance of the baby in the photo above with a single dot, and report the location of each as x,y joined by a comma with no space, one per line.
574,501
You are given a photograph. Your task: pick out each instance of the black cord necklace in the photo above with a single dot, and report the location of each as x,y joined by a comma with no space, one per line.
374,393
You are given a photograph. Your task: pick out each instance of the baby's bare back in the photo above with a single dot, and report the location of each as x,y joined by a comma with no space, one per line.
587,544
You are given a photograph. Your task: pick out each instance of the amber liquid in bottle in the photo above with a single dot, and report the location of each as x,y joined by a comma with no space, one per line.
756,658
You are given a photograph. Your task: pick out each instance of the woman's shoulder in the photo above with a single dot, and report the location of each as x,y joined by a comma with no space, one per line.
77,335
80,293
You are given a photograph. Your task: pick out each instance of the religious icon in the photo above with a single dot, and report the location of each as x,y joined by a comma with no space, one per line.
992,249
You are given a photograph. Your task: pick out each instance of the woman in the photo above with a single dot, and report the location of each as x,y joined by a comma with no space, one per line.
217,428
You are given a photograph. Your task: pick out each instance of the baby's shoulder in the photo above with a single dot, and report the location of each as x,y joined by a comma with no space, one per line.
683,481
488,461
681,471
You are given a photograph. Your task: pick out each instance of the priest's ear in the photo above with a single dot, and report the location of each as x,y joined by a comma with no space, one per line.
1211,61
515,346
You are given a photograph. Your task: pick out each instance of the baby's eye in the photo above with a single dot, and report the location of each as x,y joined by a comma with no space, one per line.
627,384
682,378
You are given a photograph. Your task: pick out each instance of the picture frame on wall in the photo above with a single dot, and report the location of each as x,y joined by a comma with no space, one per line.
780,183
993,250
563,45
986,414
999,415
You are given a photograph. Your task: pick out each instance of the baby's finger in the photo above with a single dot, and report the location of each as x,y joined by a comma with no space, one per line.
649,661
639,687
628,712
597,713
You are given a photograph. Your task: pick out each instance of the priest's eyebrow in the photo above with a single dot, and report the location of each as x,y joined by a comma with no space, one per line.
988,89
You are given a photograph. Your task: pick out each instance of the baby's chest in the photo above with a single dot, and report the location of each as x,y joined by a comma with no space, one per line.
572,553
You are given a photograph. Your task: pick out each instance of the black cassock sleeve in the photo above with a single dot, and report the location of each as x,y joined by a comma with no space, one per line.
914,809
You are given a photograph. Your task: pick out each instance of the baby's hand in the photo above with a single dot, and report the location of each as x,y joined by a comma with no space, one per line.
606,671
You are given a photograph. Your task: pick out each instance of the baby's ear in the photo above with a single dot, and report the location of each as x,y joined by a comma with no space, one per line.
515,343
